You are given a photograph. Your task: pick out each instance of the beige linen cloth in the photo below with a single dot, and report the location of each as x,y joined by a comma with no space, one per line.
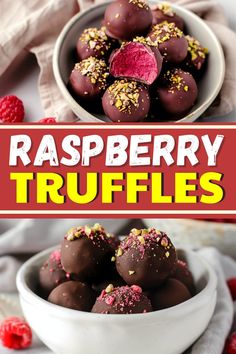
34,25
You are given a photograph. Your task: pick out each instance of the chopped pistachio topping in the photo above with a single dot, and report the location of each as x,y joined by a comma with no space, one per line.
113,259
91,232
124,95
195,49
146,41
109,288
175,81
141,240
95,69
166,8
140,3
119,252
96,39
136,232
144,232
131,272
164,31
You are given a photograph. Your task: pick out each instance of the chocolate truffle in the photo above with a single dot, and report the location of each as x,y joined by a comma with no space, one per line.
171,293
196,57
146,257
123,300
183,274
177,92
164,12
137,61
85,251
88,79
125,19
126,101
52,274
73,295
171,42
94,42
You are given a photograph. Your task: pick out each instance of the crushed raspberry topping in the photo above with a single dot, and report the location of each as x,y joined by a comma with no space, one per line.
143,240
123,298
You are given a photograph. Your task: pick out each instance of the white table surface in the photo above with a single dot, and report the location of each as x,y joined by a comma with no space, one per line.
22,76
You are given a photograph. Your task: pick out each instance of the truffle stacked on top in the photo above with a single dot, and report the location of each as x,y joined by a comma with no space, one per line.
141,275
135,49
146,258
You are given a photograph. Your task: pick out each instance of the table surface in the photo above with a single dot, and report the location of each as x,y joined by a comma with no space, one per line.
22,76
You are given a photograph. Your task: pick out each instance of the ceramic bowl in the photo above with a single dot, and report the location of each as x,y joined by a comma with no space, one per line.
169,331
63,59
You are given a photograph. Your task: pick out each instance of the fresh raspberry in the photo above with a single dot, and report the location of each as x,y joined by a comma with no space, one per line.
48,120
11,110
232,287
230,347
15,333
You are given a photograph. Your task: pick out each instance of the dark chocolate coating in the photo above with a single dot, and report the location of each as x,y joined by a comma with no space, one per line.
171,293
120,108
183,274
73,295
51,274
122,300
136,61
195,61
86,256
88,79
94,42
117,281
177,92
125,19
172,43
146,258
164,12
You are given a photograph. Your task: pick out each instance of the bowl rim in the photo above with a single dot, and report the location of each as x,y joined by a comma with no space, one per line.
90,117
29,296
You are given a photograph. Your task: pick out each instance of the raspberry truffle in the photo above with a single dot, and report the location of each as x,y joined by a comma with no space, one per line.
146,257
177,92
94,42
126,101
171,293
125,19
163,12
183,274
197,55
171,42
52,274
88,79
122,300
137,61
73,295
85,251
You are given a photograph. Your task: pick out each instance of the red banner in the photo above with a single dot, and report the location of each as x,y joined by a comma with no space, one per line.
108,170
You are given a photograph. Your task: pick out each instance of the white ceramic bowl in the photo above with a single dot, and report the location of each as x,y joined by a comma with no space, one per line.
63,59
199,233
168,331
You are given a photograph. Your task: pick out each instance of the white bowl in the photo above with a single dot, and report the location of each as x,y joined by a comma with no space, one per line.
196,233
63,59
169,331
